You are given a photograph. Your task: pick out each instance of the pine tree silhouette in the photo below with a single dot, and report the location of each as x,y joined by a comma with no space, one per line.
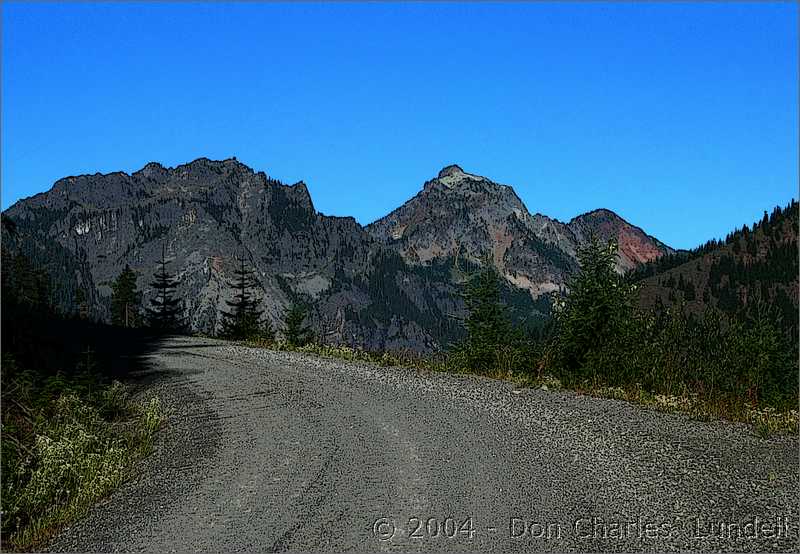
81,303
125,299
244,319
295,332
488,321
164,310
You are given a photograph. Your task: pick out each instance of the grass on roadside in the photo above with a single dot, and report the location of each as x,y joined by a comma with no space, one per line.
765,420
66,443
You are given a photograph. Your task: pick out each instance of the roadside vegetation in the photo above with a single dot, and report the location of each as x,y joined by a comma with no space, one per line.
67,442
766,420
70,433
741,367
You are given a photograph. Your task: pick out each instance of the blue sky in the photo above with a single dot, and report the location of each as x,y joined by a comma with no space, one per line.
682,118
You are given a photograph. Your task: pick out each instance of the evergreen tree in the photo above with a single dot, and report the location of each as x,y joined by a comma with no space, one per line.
295,332
244,319
164,310
488,323
689,293
595,312
125,299
752,246
34,284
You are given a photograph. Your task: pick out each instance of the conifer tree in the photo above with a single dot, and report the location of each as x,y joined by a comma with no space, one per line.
81,303
164,310
295,332
488,323
125,299
32,287
244,319
598,306
689,293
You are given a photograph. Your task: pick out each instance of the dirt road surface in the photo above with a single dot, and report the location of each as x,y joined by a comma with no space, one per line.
272,451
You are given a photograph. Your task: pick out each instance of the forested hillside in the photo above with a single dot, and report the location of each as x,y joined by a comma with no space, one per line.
755,264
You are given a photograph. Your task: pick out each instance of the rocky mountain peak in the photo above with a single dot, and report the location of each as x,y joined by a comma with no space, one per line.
451,175
451,170
459,214
600,214
389,273
203,165
635,246
152,170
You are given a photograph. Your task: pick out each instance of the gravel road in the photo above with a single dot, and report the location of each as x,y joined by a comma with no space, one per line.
272,451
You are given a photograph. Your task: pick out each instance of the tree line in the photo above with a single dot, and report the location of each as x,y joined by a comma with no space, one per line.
599,336
771,225
243,320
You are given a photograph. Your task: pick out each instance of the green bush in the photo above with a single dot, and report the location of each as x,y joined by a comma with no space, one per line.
63,450
594,318
602,339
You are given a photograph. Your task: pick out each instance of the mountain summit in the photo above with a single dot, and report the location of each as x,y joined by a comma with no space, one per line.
461,215
450,171
389,285
453,174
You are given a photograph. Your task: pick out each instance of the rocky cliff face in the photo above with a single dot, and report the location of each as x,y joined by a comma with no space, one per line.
391,285
206,213
460,215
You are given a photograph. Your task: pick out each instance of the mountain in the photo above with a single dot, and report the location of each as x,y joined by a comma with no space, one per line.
459,215
391,285
206,213
754,264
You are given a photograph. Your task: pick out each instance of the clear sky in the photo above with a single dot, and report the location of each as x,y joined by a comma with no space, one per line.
682,118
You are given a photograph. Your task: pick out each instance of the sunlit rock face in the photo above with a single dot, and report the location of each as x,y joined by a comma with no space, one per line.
390,285
461,215
205,214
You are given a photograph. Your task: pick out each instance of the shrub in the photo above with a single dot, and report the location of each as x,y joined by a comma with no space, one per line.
594,318
601,339
61,454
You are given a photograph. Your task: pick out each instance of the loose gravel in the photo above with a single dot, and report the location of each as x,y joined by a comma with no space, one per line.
272,451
